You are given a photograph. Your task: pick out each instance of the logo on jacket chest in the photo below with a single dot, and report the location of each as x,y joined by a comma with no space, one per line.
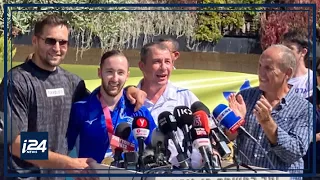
124,117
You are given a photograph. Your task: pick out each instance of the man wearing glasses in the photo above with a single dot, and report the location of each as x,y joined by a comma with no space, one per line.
40,94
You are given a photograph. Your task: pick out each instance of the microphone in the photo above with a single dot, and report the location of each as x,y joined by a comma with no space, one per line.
229,120
226,117
214,126
122,131
201,141
198,105
219,145
149,158
140,128
158,143
184,119
167,125
130,160
117,142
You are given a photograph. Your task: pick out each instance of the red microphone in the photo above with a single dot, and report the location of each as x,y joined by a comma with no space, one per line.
201,119
219,145
117,142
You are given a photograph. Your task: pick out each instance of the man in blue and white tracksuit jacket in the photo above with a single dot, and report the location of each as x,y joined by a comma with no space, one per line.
87,121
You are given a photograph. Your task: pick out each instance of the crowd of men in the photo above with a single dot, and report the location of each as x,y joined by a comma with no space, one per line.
42,96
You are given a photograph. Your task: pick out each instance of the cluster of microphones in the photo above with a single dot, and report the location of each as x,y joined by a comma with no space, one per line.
201,129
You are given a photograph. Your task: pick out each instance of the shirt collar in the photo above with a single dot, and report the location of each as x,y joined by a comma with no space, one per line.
289,97
285,100
169,93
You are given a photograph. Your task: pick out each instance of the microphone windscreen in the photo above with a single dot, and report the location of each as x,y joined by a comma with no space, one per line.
123,130
198,133
140,127
227,117
199,137
166,122
198,105
148,152
157,137
130,157
203,118
183,115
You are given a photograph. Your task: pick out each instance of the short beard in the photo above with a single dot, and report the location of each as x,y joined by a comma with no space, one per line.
46,62
105,88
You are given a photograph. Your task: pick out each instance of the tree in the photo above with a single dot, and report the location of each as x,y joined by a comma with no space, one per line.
9,52
211,22
114,29
275,24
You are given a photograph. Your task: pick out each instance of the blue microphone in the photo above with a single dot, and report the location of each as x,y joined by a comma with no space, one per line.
228,118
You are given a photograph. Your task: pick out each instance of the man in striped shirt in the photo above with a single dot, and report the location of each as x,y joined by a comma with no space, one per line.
279,119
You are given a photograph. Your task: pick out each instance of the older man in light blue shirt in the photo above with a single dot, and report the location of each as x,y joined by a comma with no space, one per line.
280,120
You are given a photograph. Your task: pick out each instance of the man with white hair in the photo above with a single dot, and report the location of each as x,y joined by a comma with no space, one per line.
275,115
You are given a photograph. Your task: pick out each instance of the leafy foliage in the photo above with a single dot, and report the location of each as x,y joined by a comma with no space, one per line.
211,24
276,23
9,52
115,28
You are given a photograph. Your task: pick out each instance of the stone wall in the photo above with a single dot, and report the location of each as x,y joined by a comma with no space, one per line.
246,63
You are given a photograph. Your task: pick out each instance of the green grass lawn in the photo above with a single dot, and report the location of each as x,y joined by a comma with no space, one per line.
207,85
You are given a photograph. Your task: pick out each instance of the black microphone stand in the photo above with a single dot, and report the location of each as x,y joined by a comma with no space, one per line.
140,164
185,146
237,163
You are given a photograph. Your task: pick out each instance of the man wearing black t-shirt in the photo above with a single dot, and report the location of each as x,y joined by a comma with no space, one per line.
40,94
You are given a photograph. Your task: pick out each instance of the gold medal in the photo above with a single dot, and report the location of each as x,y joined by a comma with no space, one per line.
107,161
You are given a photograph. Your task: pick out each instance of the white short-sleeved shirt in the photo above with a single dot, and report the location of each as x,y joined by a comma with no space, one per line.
173,96
303,85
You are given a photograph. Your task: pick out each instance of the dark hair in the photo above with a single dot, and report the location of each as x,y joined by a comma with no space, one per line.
146,48
301,38
174,42
51,20
109,54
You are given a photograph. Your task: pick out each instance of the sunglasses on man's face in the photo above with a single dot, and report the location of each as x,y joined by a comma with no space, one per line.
52,41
